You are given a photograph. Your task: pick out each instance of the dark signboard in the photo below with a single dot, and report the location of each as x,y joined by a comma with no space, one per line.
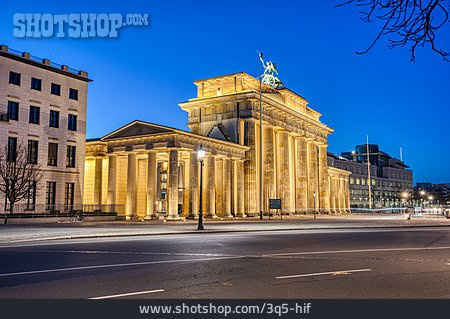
275,203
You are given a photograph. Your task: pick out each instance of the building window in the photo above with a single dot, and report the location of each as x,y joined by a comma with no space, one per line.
12,149
69,196
358,181
35,114
52,154
50,196
13,110
73,94
54,119
352,180
71,153
14,78
55,89
72,122
31,196
33,151
36,84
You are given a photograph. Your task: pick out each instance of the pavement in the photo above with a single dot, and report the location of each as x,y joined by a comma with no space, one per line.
74,230
359,262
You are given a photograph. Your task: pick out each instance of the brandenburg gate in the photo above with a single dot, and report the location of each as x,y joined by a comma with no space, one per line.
153,170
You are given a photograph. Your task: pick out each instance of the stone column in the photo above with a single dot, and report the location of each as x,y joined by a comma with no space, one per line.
112,178
98,180
226,188
324,194
344,196
251,196
333,194
301,176
130,209
340,196
172,186
219,186
313,173
152,180
284,175
193,185
269,167
209,189
345,191
186,184
240,184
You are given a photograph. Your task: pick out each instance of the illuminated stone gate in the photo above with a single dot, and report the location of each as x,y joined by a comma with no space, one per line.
154,170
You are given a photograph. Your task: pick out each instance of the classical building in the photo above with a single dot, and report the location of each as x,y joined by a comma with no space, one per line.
391,180
43,107
154,170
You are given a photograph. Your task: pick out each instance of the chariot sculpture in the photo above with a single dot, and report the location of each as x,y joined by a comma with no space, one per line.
269,76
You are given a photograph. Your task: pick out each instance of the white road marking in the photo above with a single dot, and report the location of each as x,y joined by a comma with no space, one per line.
355,251
324,273
116,265
128,294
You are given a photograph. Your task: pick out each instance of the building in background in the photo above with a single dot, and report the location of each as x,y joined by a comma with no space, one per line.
43,107
153,170
392,181
426,193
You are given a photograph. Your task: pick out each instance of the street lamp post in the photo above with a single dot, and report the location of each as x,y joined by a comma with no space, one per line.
201,156
430,201
314,196
422,194
260,152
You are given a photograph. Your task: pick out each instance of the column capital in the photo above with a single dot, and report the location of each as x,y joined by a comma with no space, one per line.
279,129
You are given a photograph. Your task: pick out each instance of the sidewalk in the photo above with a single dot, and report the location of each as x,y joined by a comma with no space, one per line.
23,233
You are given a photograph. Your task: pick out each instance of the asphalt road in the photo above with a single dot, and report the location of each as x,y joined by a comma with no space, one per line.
377,263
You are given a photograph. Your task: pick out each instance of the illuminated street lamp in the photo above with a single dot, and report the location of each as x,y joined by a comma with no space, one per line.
405,196
430,200
422,194
201,156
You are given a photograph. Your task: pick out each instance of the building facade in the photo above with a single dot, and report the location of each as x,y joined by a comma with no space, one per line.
43,107
432,194
391,181
153,170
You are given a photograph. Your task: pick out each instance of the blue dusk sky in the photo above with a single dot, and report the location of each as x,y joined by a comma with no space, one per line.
146,71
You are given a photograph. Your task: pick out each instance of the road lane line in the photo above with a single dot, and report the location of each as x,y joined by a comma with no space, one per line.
31,272
354,251
324,273
128,294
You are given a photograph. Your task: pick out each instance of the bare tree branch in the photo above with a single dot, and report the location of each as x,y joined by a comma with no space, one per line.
17,175
410,23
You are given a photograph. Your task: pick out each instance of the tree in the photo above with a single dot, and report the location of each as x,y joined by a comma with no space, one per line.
17,175
411,23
